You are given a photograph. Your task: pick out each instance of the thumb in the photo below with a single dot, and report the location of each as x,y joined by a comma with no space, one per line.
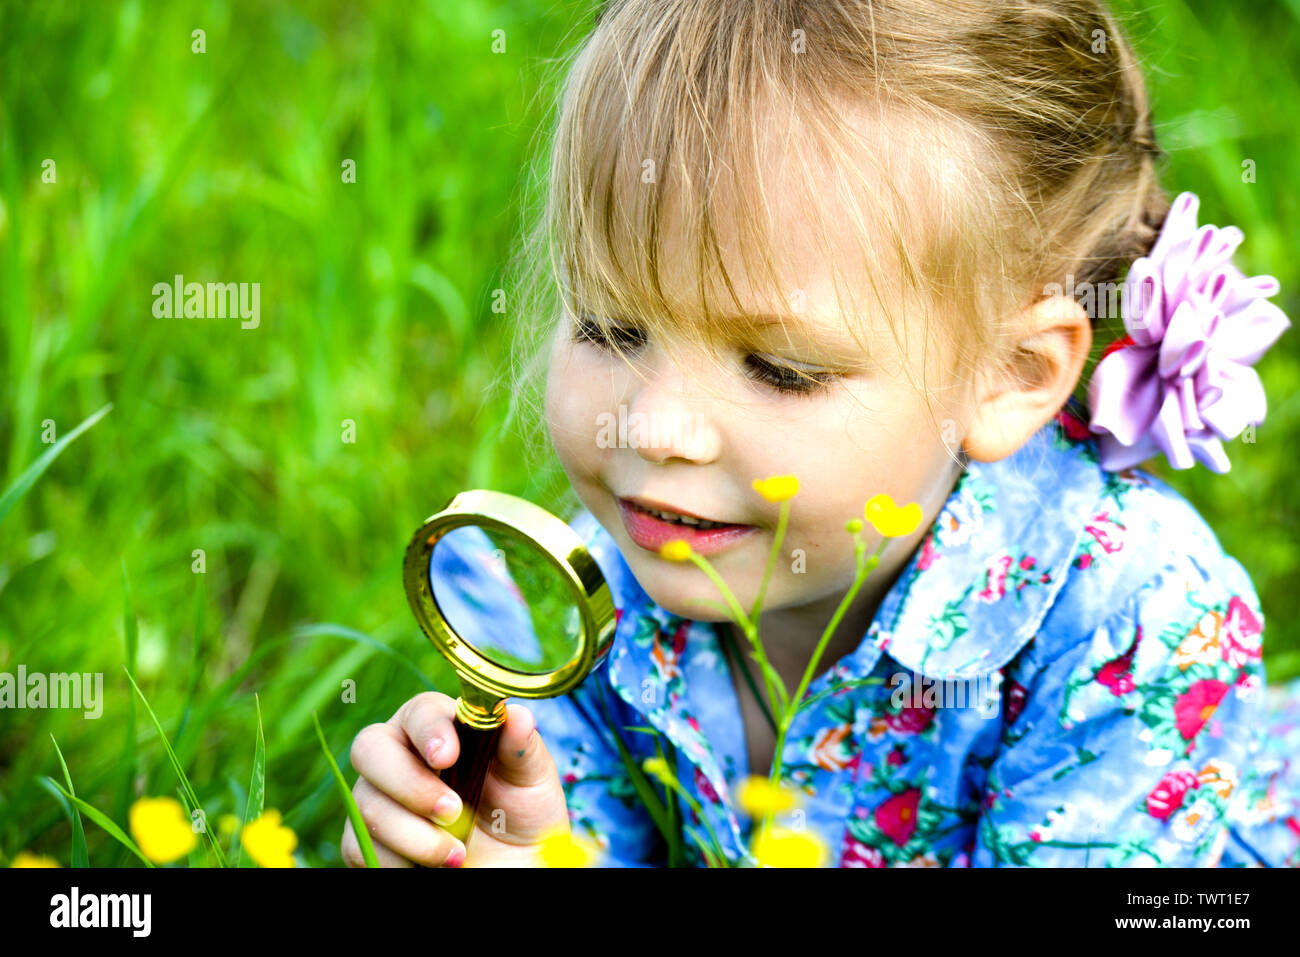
522,758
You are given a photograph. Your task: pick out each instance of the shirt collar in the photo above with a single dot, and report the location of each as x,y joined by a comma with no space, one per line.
979,585
984,578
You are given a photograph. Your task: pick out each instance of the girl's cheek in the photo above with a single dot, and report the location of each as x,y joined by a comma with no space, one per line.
564,387
570,419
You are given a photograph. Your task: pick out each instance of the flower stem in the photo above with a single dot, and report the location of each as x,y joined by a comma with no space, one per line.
864,568
781,523
775,687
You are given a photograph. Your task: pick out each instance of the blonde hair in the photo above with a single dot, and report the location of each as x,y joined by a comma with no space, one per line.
1007,146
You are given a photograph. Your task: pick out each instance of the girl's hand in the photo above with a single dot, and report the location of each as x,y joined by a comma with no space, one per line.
399,794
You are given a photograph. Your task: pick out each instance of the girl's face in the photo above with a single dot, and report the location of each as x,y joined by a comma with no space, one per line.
682,433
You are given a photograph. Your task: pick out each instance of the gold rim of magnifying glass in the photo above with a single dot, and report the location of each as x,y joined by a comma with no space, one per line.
565,551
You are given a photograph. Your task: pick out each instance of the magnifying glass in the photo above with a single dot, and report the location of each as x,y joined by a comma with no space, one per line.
509,594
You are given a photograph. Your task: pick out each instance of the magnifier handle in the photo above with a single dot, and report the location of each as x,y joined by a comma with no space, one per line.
478,746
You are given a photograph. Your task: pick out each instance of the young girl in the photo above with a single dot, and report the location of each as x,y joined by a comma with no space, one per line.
866,245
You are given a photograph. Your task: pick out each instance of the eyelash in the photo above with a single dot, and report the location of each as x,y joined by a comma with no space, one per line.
783,379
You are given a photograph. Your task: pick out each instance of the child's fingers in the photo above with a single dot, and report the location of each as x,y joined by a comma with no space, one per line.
380,755
416,838
352,856
426,721
524,784
522,758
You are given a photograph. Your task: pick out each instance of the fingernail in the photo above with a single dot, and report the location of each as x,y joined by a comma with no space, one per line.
447,810
432,749
456,858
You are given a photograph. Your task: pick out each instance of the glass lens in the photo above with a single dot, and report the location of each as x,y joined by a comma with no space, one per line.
502,595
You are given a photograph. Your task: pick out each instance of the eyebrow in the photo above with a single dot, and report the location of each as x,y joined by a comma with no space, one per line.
814,329
794,324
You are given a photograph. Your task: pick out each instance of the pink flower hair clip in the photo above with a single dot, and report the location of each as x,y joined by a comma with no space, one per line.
1180,382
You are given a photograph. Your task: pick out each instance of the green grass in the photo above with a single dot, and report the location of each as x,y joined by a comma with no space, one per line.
375,308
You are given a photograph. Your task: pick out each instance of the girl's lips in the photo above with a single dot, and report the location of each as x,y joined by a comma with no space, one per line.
651,533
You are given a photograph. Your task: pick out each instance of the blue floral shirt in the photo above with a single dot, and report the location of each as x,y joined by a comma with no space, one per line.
1067,673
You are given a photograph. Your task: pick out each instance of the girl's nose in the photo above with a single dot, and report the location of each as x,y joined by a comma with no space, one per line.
669,414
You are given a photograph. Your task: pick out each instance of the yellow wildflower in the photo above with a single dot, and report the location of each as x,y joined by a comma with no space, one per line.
268,842
782,847
658,768
891,520
161,829
28,859
562,848
675,551
227,824
778,488
759,797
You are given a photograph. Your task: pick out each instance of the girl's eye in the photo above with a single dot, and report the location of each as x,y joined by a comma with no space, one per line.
605,337
785,378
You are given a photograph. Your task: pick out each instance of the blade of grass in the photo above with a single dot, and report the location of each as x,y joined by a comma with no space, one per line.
195,857
103,821
711,858
640,780
24,482
187,790
354,814
79,856
257,786
131,639
675,849
64,804
238,797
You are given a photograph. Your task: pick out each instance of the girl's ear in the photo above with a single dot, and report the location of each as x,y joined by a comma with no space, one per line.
1018,399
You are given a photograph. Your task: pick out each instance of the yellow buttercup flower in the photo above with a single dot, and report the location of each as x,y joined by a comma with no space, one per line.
227,824
161,829
891,520
778,488
760,797
675,551
28,859
782,847
562,848
268,842
658,768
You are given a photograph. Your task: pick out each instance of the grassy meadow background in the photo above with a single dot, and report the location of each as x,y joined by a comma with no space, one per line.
376,308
